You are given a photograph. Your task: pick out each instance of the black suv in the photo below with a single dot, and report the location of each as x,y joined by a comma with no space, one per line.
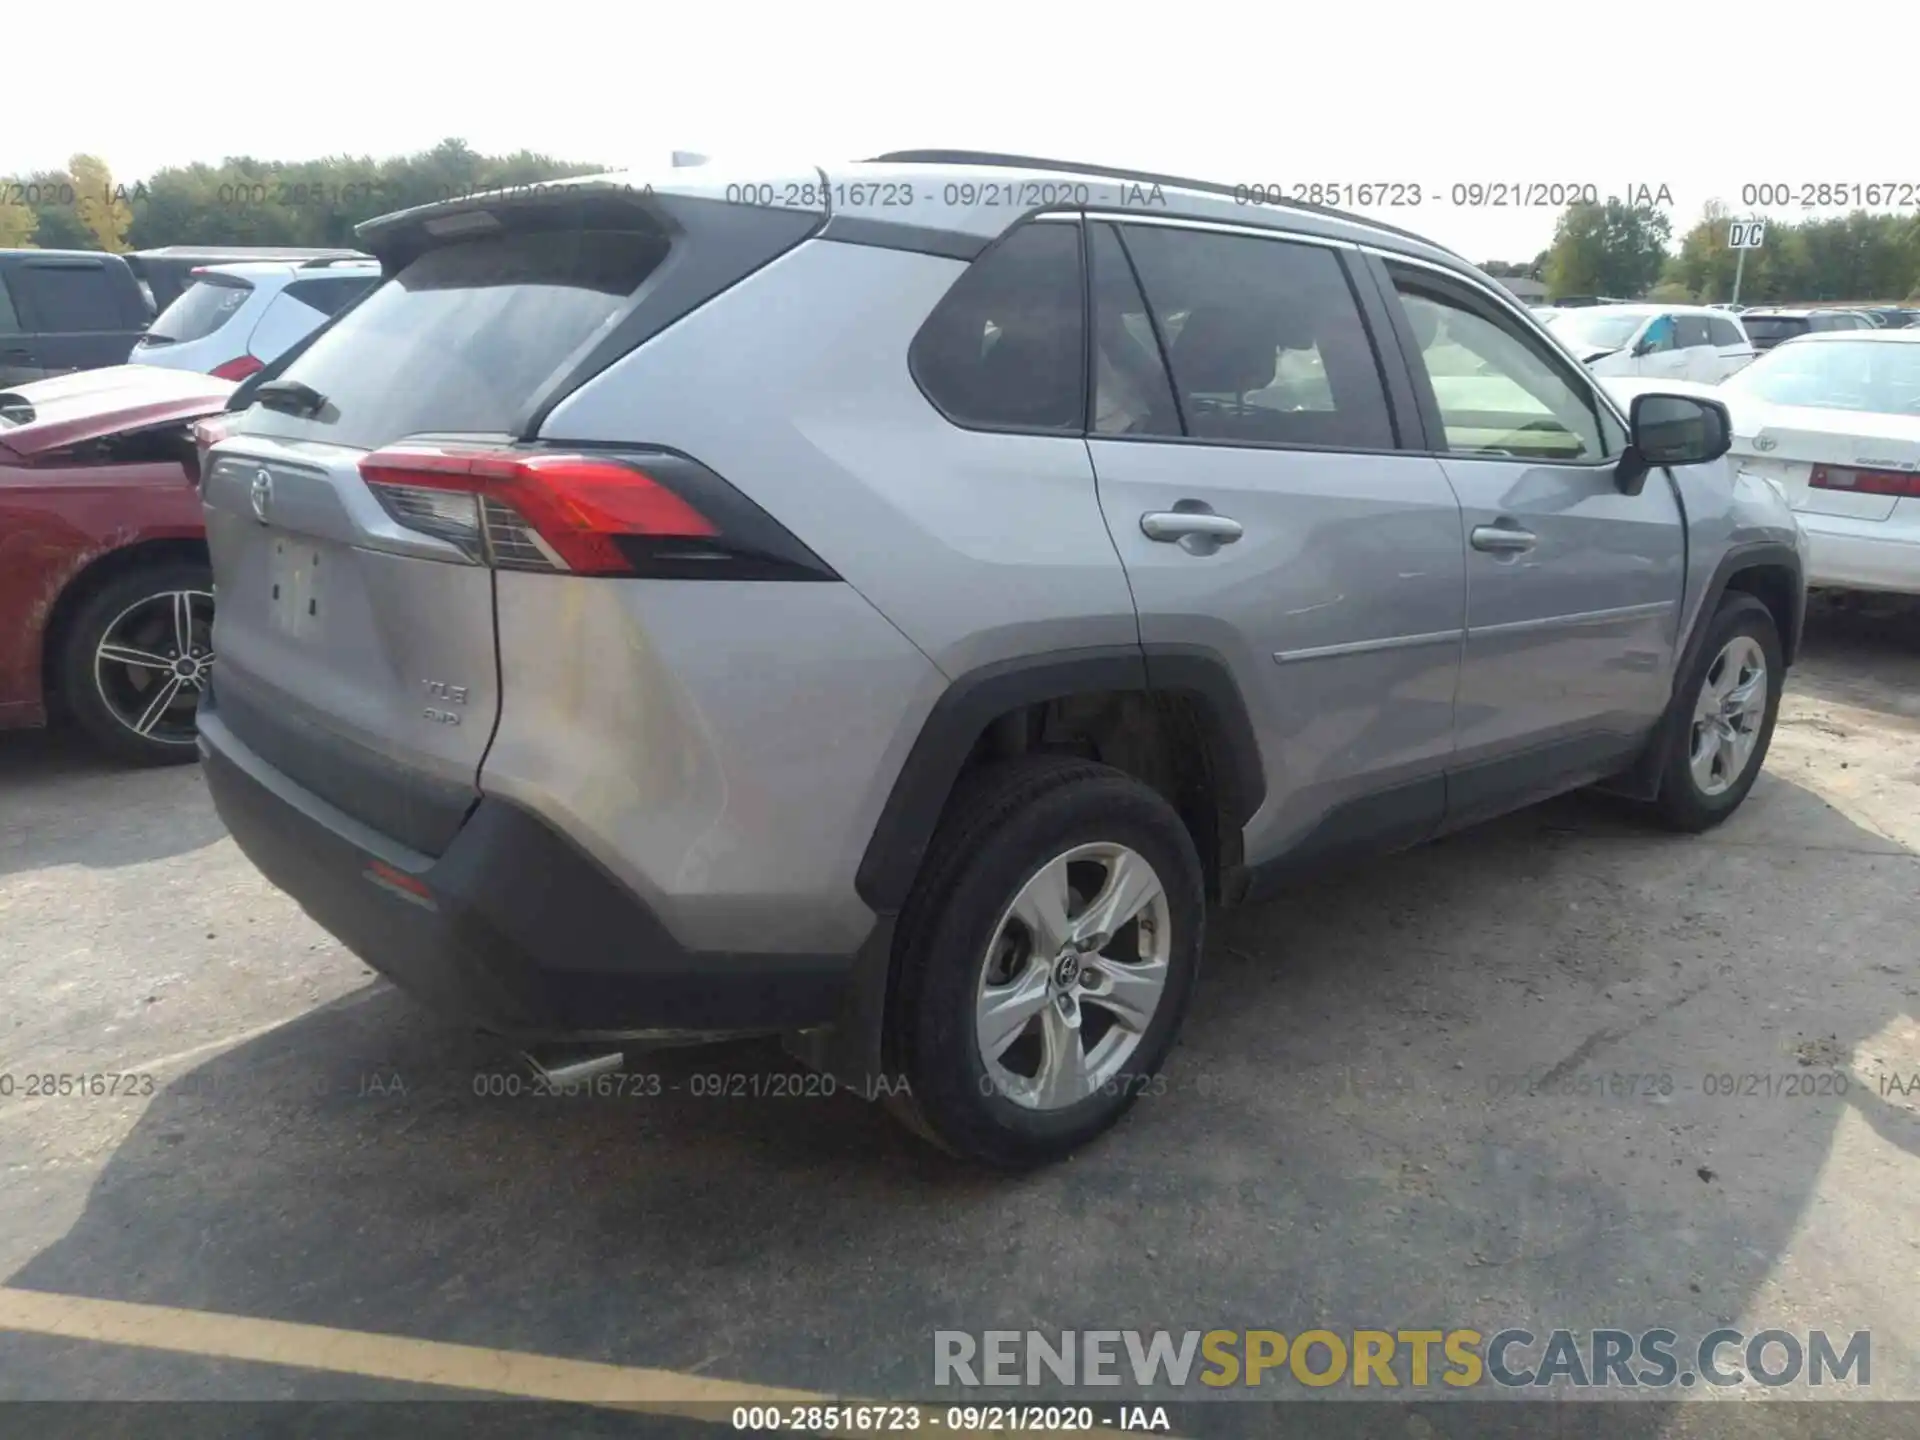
65,310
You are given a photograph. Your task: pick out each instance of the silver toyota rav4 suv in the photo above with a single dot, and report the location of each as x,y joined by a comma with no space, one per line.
888,605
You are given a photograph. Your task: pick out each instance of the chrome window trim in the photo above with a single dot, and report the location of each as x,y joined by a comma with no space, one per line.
1221,227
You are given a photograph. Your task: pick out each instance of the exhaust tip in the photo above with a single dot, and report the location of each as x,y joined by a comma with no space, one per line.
561,1066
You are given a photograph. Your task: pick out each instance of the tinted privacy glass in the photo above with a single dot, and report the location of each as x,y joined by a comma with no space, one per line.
1264,339
1774,327
63,298
465,338
1005,348
9,321
203,307
1131,392
1497,389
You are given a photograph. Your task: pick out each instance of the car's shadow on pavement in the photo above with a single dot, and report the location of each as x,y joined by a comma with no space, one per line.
55,787
1560,1071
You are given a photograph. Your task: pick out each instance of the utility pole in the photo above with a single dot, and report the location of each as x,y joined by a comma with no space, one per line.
1739,269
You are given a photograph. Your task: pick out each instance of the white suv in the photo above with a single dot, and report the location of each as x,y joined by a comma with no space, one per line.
1669,342
234,319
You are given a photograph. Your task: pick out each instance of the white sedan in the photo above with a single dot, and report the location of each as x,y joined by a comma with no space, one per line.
1833,420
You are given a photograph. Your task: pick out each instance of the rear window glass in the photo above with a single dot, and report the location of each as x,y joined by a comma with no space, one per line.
464,338
1773,327
70,298
203,307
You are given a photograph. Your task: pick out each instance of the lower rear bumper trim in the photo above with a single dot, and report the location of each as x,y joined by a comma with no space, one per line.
514,928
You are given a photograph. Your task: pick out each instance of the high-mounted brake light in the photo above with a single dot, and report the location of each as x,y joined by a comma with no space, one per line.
239,367
1865,482
654,514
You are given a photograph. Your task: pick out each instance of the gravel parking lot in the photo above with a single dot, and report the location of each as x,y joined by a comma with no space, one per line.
1346,1134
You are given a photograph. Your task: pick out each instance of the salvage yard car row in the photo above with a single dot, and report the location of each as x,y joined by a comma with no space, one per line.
575,581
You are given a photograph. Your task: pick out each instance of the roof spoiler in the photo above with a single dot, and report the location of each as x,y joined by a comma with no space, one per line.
588,203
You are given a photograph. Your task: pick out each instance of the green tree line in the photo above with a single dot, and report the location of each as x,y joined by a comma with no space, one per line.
1627,251
248,201
1603,249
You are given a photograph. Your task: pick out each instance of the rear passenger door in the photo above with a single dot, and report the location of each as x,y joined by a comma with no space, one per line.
1249,463
1731,347
1699,359
1573,588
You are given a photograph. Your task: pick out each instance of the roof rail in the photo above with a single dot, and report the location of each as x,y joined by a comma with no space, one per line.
1144,177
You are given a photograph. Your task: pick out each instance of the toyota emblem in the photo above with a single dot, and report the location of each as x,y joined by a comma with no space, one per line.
262,494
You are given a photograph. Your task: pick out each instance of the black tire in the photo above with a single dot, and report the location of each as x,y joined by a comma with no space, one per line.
1005,824
1682,804
75,676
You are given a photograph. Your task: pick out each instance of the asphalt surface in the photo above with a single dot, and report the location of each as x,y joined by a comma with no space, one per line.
1398,1102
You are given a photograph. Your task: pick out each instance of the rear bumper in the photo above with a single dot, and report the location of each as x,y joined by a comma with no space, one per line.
1850,554
513,929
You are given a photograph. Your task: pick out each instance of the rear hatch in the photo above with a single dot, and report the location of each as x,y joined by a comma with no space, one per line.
1767,331
356,624
204,308
1836,462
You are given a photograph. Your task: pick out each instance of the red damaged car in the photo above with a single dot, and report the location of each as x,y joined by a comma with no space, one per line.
106,598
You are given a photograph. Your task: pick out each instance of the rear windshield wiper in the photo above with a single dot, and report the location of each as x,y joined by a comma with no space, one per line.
295,397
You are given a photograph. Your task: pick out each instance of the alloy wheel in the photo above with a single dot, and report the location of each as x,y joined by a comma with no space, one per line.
1073,976
1728,715
153,662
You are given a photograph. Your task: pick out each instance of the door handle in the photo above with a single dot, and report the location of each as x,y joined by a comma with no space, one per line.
1503,539
1171,526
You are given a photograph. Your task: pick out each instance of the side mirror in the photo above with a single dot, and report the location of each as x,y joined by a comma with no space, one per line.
1671,430
1643,346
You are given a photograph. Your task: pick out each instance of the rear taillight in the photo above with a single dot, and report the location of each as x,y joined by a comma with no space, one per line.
1865,482
238,368
210,432
653,514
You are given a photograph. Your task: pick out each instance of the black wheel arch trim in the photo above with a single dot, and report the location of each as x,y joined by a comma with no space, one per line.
1755,555
1642,780
974,700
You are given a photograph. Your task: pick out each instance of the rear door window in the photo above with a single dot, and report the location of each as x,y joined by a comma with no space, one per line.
1132,394
1690,331
9,318
1264,339
203,307
1724,332
466,337
1005,349
66,299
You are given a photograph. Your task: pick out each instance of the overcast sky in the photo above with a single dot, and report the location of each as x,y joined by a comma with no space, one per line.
1692,97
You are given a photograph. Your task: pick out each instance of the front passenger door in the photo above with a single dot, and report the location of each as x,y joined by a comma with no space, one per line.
1573,588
